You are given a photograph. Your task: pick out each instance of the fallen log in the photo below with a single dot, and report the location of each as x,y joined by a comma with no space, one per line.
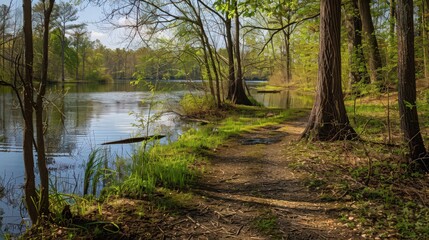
135,139
268,91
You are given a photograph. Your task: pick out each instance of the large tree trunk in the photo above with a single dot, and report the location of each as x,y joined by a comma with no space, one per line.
30,186
41,152
407,84
240,93
236,93
358,71
375,63
328,119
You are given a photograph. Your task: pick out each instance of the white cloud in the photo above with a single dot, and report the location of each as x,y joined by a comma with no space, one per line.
124,21
97,35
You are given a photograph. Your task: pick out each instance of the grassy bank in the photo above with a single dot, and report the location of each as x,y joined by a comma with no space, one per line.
161,174
369,181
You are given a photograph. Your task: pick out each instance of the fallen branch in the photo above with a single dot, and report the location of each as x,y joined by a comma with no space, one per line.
135,139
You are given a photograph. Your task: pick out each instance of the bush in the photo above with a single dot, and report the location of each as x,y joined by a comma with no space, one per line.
195,105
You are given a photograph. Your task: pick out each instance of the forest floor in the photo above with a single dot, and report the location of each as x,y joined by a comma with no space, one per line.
266,184
251,189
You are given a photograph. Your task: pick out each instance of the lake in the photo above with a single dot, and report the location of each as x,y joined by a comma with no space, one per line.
84,118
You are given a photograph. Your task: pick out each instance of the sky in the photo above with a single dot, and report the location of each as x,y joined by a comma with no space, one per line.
92,16
108,36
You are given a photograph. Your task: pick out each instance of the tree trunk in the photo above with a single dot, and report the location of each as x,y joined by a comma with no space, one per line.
230,51
213,62
30,186
63,47
392,16
287,71
41,152
375,63
287,32
328,119
77,58
236,93
83,63
425,36
240,93
358,71
407,84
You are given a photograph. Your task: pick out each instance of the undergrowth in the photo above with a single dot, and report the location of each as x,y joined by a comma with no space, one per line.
177,164
383,198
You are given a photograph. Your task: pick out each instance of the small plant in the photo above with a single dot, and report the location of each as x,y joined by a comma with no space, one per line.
93,171
267,224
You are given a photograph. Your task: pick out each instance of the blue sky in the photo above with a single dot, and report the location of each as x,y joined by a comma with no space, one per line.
91,15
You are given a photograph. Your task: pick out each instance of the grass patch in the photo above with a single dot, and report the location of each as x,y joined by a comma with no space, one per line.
178,164
195,105
270,88
172,201
267,223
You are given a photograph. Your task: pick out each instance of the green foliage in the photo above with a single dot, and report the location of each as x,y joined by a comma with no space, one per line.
176,165
94,171
193,105
153,169
59,201
384,205
267,224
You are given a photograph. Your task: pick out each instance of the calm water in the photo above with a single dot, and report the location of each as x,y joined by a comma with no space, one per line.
80,121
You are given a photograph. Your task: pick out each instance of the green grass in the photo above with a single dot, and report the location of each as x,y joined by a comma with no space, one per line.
267,224
178,164
93,171
196,105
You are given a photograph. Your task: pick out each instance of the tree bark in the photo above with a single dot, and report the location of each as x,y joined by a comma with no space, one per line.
407,84
425,36
358,71
375,63
392,16
230,52
83,63
236,93
30,186
77,58
63,49
328,119
41,151
240,93
288,58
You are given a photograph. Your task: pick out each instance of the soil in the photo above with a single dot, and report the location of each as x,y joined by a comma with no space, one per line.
248,191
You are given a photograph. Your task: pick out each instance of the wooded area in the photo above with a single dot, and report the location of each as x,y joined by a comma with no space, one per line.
344,49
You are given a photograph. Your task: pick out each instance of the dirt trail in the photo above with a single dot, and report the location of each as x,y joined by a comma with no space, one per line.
249,192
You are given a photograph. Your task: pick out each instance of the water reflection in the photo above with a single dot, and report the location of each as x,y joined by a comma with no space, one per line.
285,99
77,122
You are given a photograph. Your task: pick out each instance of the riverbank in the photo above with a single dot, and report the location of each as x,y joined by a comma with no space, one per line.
260,182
